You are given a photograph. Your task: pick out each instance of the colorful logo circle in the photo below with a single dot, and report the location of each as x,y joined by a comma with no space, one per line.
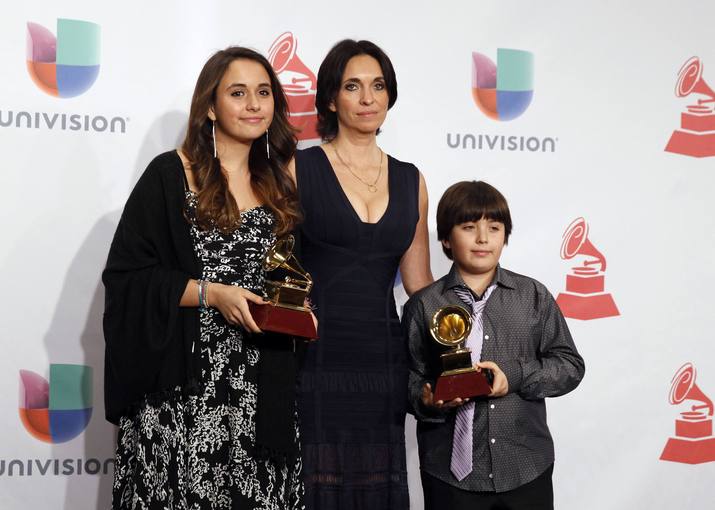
60,410
503,91
66,65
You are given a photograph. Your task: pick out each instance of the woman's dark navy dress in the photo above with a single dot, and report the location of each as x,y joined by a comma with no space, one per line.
353,388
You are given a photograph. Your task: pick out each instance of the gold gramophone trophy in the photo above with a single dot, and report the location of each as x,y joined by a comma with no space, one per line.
286,311
450,327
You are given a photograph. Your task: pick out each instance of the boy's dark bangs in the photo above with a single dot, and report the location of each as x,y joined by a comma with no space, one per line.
482,206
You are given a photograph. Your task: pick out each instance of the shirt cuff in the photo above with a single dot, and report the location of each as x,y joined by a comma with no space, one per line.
423,413
513,372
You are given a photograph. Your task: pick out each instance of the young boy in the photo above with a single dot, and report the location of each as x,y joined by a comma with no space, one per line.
494,451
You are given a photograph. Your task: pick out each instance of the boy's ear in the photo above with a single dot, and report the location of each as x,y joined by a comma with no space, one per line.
445,243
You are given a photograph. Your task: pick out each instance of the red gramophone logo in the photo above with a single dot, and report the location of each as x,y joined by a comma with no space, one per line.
299,84
693,442
585,297
696,136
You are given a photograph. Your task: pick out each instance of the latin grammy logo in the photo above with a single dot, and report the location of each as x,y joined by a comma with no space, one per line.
585,297
693,442
299,84
697,134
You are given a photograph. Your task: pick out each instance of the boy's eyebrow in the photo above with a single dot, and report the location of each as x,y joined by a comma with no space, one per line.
491,220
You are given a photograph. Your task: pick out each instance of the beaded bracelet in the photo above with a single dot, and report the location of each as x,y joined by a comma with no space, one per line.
205,285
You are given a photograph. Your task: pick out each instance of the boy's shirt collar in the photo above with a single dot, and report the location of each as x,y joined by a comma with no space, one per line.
454,279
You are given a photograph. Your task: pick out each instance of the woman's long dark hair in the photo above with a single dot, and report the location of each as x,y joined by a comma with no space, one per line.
270,181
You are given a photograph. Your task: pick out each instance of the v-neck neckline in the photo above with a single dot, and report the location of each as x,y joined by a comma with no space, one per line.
344,195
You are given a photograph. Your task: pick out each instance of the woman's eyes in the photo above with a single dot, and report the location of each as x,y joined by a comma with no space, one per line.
241,93
353,86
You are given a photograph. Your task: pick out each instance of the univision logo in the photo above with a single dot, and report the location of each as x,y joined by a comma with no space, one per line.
60,410
66,65
63,66
503,91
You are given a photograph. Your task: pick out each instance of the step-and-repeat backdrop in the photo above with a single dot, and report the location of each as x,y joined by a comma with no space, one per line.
595,119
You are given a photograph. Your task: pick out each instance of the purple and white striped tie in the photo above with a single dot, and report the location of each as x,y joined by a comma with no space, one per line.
461,463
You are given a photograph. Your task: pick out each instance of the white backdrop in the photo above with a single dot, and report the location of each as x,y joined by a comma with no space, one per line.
604,77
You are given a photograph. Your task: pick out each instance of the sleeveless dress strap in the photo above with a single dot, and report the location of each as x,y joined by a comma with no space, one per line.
186,181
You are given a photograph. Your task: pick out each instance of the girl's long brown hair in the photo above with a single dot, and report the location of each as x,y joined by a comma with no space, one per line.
270,181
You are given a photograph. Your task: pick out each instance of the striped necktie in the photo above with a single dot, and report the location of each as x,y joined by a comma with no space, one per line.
461,463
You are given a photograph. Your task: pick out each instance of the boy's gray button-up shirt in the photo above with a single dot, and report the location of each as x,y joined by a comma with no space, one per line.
527,336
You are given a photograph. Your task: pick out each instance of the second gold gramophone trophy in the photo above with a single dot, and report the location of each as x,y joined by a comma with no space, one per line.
286,311
450,327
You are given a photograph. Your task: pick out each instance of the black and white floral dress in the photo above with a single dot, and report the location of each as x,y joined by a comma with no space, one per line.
195,452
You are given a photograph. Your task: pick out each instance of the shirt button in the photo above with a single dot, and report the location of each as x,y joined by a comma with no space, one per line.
486,337
491,406
494,440
491,475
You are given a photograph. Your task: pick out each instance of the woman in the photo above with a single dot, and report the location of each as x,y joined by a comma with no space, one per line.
205,409
365,216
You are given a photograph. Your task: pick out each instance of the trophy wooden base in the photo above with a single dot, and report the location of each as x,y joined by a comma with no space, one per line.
280,319
467,384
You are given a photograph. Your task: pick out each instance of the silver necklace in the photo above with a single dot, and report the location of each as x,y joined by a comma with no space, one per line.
372,188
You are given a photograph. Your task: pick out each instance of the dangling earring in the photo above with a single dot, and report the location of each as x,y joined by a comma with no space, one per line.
213,135
268,147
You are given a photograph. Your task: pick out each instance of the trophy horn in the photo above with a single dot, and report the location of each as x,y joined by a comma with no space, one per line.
451,325
576,242
690,79
684,388
281,255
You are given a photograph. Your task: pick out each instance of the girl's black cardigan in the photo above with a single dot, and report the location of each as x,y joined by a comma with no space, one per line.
149,338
